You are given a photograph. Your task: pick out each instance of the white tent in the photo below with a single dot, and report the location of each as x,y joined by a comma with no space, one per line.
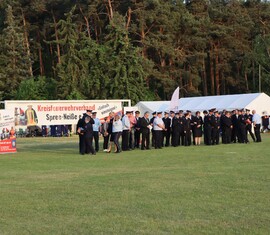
258,101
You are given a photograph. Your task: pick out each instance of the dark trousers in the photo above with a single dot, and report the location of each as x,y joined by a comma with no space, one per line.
96,139
88,146
175,138
158,139
182,138
188,138
153,138
145,140
137,135
125,140
242,134
215,136
81,144
116,140
132,138
257,129
248,130
106,141
227,135
208,135
167,136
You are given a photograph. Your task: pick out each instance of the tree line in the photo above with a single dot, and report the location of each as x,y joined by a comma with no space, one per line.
136,49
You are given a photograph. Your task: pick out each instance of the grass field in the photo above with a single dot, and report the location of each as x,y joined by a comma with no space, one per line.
48,188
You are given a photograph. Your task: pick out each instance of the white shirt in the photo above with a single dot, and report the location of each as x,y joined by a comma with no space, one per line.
158,121
126,123
117,126
256,118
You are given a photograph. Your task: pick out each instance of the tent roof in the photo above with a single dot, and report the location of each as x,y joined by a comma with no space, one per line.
229,102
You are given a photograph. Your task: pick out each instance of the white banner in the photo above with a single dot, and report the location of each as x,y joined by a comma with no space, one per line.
31,113
175,100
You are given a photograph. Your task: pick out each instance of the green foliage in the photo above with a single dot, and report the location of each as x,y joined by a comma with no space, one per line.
48,188
139,49
40,88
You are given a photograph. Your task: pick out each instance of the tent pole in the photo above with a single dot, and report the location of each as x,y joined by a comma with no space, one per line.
260,79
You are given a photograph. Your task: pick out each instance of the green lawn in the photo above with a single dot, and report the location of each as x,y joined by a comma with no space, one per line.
48,188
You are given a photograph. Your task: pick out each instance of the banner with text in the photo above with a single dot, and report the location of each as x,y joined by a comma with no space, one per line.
8,134
32,113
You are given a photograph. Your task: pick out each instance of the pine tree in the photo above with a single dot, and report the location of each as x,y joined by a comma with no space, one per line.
14,58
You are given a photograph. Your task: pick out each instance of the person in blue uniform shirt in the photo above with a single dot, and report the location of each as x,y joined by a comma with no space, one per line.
96,130
126,131
154,114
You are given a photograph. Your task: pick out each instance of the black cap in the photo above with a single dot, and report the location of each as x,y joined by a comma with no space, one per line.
211,110
89,111
137,112
159,112
205,111
247,110
171,111
154,113
177,113
188,111
181,111
127,112
166,112
94,113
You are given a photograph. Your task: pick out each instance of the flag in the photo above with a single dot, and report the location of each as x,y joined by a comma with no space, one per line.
175,100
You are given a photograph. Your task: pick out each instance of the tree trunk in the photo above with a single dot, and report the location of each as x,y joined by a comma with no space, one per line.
110,9
86,22
217,72
57,39
41,65
246,80
27,45
128,18
212,76
204,78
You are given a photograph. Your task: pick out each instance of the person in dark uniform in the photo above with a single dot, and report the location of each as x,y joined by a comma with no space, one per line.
137,129
87,131
222,116
215,128
205,113
145,130
187,128
242,127
167,131
172,115
248,117
235,130
182,133
175,130
227,127
80,125
197,128
154,114
208,124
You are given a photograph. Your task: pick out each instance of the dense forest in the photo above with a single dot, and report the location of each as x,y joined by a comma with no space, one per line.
136,49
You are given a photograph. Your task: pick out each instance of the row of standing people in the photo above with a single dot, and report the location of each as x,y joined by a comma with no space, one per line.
175,129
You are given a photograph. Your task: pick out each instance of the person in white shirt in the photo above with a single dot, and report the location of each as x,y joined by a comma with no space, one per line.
117,132
158,128
126,131
96,130
257,121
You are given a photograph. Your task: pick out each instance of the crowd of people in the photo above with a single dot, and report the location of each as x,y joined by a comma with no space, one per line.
173,129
